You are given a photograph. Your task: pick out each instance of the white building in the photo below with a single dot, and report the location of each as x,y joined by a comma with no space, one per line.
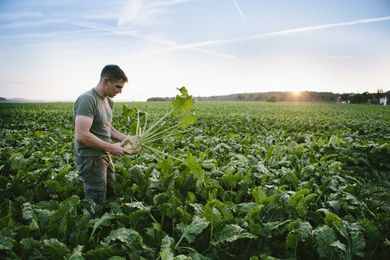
383,101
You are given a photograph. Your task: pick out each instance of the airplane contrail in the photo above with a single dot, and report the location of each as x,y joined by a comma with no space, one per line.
243,18
239,9
173,45
317,27
196,45
290,31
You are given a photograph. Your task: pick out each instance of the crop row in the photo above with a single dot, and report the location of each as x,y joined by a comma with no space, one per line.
254,181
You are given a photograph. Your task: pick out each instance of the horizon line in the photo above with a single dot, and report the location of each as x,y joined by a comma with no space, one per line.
27,100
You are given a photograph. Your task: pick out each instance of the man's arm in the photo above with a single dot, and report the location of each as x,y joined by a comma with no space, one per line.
117,136
83,135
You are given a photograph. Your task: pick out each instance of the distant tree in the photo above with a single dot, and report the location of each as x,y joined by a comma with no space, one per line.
258,97
365,97
272,98
241,97
379,94
155,99
3,99
251,96
360,98
345,97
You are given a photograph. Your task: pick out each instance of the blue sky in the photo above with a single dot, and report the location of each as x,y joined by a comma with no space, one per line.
55,50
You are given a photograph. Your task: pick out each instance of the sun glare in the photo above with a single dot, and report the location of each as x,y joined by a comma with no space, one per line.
296,93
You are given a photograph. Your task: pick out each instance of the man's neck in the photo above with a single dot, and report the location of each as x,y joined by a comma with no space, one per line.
99,89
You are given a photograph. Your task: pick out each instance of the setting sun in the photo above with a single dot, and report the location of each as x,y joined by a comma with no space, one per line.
296,93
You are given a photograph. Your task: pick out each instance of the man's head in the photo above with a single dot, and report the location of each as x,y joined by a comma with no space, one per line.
113,73
113,79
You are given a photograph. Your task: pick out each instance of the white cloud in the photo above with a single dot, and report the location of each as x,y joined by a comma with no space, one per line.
19,15
145,12
36,23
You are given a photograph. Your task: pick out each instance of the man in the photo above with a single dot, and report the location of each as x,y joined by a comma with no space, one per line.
94,133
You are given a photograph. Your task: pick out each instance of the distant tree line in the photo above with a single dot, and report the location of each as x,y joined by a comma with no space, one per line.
365,97
305,96
157,99
270,96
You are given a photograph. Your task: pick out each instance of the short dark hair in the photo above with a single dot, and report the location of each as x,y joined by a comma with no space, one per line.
113,73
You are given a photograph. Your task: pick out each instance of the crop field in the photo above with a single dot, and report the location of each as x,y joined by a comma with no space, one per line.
251,181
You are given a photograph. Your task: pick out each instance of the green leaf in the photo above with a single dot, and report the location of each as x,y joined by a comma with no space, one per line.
115,257
79,233
124,235
128,112
324,237
254,218
195,168
18,163
61,221
243,208
358,244
167,202
182,257
138,205
198,256
352,232
294,199
259,195
183,91
103,252
27,246
187,120
6,243
273,225
166,248
77,253
371,230
166,172
332,219
231,233
340,246
54,248
104,220
182,103
217,212
304,204
191,231
292,240
131,239
305,230
28,214
334,140
43,216
299,231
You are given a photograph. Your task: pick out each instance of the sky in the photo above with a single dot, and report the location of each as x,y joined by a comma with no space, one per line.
55,50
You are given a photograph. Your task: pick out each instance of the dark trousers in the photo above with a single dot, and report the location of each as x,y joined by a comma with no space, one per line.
95,172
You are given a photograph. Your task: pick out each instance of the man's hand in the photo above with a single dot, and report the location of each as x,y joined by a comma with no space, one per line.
132,144
117,149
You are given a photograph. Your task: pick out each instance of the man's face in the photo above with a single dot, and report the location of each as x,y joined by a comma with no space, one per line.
114,87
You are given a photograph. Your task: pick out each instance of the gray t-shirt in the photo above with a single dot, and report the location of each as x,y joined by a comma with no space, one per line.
92,105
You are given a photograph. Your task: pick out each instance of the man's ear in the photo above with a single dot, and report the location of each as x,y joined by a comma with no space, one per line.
105,81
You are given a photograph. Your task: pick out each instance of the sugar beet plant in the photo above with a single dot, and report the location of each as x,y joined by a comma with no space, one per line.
254,181
179,117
